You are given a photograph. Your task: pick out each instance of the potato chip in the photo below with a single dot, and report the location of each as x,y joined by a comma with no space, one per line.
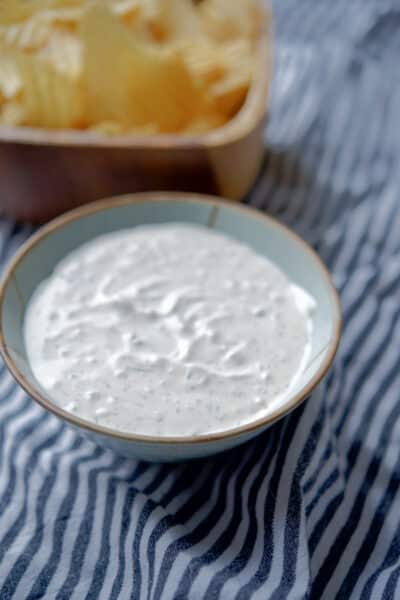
134,84
228,20
229,95
210,121
211,63
172,20
65,18
136,15
28,36
131,8
12,113
34,33
204,60
10,81
49,98
226,69
13,11
64,52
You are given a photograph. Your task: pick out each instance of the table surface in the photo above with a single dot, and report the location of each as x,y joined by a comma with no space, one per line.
310,508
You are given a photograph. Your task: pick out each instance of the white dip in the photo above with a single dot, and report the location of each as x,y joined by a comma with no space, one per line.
167,330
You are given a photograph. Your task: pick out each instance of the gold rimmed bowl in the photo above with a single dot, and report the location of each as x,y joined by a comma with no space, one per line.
37,258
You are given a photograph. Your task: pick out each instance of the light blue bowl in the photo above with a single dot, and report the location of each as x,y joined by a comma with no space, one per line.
37,258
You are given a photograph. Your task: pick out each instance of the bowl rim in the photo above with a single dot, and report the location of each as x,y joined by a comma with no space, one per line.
114,202
251,113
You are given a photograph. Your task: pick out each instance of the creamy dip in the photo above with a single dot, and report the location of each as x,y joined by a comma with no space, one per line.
168,330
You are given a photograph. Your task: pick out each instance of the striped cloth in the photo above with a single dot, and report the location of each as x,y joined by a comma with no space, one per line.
310,509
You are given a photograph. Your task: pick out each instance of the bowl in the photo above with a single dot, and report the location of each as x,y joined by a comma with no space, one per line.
38,256
85,166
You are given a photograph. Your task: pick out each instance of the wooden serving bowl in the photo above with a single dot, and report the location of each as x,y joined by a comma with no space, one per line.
45,172
37,258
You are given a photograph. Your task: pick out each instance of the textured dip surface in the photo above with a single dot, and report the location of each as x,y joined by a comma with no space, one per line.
167,330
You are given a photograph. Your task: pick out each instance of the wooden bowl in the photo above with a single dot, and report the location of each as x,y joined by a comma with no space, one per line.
44,172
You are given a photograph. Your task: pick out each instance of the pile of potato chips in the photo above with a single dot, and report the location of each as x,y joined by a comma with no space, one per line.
150,66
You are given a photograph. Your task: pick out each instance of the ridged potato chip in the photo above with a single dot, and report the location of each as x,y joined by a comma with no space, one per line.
49,98
229,94
172,20
28,36
10,81
228,20
64,52
136,83
12,113
13,11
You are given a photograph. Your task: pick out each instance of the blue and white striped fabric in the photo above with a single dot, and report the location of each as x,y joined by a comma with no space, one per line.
311,508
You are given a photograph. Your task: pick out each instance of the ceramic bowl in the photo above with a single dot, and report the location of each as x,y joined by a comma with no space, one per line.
39,255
